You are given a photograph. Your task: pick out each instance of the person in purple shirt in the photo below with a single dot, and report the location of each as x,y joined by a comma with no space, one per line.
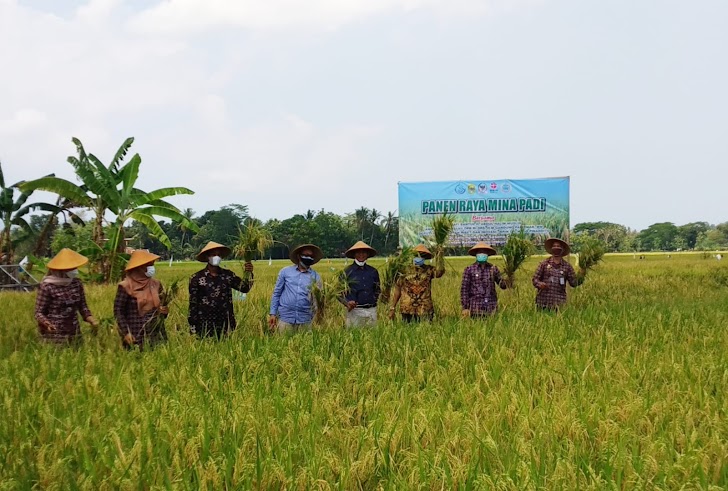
291,306
478,297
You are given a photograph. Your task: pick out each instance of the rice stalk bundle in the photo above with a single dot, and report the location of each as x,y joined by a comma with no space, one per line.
253,238
328,294
393,268
591,252
166,297
442,226
517,249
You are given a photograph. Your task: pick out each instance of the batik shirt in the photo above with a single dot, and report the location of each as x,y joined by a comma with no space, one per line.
211,300
146,329
478,289
59,305
555,276
415,285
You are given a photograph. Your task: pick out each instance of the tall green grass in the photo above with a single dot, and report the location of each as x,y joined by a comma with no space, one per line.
624,389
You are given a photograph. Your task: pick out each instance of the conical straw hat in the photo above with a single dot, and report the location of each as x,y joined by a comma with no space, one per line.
423,251
482,246
140,258
360,246
202,256
67,260
317,253
552,242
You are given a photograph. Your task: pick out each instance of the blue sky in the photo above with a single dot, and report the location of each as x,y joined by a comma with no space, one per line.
286,105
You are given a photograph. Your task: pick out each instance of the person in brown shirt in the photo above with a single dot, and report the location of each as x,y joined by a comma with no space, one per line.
137,306
553,274
61,298
414,288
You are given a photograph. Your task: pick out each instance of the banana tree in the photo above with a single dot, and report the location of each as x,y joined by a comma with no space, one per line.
111,190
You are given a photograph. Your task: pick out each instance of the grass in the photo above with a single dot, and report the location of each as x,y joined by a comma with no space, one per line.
625,389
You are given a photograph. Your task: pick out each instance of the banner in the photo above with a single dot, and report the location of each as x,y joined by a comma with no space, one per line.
487,211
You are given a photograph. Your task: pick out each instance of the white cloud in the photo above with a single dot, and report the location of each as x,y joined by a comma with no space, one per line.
22,120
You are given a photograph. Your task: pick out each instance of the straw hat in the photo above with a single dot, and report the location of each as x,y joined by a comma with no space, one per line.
423,251
317,253
360,246
202,256
67,260
140,258
482,246
554,243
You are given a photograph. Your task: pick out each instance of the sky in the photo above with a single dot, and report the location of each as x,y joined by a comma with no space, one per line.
291,105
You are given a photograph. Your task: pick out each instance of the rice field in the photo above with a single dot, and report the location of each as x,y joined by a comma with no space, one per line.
624,389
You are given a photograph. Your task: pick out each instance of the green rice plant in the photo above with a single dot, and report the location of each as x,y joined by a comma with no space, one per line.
442,226
591,252
518,248
328,294
394,266
253,239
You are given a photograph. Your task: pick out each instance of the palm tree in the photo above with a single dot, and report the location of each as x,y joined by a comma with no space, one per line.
390,220
12,214
361,218
188,213
374,217
112,189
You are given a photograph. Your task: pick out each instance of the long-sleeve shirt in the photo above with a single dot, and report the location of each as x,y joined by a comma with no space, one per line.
59,305
211,301
292,300
363,285
555,276
146,329
415,285
478,291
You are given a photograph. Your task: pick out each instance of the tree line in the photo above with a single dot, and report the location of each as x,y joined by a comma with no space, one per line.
108,213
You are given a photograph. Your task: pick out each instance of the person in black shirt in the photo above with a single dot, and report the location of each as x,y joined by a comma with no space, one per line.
211,299
363,290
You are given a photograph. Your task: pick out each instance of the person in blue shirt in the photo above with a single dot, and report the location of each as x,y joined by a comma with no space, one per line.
363,287
291,306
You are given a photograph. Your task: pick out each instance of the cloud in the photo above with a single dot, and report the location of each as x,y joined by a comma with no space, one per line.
184,16
22,120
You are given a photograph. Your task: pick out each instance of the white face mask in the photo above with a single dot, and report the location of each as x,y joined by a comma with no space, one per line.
360,263
72,274
214,260
150,271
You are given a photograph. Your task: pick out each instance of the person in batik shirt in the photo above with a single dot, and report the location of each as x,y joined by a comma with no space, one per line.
137,307
413,288
61,298
553,274
211,299
478,297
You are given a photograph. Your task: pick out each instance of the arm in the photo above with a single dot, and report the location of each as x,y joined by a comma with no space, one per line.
498,278
41,308
243,284
194,290
465,290
275,300
536,280
83,307
396,294
440,270
120,303
573,279
377,285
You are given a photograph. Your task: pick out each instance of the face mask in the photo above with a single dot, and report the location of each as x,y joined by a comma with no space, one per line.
419,261
307,261
72,274
214,260
360,263
481,258
150,271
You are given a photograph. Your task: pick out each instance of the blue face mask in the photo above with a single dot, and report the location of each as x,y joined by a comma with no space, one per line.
419,261
481,258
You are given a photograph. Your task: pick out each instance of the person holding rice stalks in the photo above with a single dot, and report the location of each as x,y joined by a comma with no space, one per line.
291,305
211,299
137,306
61,298
363,287
413,287
553,274
478,294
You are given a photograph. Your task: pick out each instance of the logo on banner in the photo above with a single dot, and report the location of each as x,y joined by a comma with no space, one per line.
493,187
506,188
471,188
482,188
460,189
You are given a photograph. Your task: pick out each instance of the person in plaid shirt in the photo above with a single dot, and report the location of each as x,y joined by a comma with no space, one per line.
478,297
553,274
61,298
